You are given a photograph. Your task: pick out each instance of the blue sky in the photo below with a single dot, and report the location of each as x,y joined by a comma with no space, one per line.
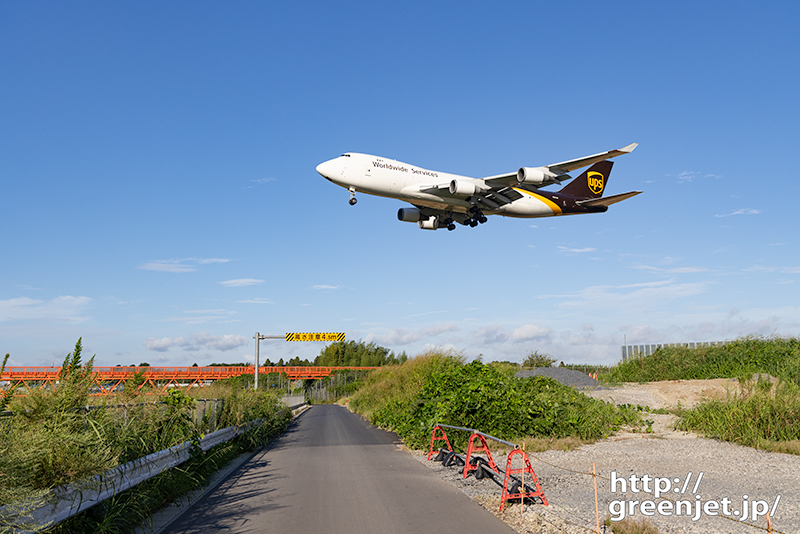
160,199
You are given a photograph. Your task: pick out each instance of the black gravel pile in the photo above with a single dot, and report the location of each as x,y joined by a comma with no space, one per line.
568,377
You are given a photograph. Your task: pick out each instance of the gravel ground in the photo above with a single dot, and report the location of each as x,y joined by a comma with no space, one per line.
729,471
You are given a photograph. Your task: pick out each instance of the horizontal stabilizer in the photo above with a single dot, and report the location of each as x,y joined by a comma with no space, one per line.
607,201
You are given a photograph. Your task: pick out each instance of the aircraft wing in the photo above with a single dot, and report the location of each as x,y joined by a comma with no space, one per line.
573,164
560,170
607,201
499,195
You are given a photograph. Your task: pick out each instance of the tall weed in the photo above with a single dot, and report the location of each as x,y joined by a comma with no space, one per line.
759,415
54,438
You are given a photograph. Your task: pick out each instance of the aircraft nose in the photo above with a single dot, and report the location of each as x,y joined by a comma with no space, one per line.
327,168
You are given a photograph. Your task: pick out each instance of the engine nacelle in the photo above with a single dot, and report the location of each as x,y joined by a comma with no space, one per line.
464,188
409,215
431,223
534,175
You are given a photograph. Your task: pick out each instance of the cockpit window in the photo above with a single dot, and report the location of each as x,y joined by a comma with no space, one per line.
345,155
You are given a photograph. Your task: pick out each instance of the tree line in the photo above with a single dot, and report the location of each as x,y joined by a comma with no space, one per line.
339,354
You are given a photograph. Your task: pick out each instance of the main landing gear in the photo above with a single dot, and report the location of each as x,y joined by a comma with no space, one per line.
353,198
477,217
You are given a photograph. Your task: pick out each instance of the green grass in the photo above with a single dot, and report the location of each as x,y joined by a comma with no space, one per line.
435,388
779,357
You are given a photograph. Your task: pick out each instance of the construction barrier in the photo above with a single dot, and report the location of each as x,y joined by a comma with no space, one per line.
471,448
482,467
519,490
442,437
516,486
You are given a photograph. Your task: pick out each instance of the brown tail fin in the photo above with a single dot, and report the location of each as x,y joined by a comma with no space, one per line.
591,183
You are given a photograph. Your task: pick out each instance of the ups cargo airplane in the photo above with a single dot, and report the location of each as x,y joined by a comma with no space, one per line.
440,199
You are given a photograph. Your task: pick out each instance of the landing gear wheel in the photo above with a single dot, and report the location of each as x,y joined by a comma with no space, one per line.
451,227
473,223
482,219
353,201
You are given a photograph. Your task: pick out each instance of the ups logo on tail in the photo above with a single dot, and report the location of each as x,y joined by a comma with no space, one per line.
596,182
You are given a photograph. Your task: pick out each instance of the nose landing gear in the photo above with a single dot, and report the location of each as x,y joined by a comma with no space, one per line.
353,198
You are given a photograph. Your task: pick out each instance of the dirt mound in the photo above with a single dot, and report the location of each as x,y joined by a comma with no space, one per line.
667,393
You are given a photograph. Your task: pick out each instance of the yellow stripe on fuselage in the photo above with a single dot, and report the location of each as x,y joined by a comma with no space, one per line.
549,203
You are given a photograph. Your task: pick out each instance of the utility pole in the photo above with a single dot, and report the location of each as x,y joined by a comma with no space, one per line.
258,337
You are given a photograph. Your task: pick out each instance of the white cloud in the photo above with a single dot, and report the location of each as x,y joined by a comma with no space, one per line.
576,250
165,343
782,270
492,334
168,266
529,332
686,176
242,282
671,270
64,308
397,336
186,265
221,343
631,297
320,286
743,211
256,300
200,340
437,329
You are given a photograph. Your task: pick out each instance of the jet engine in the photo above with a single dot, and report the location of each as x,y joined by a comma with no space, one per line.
409,214
534,175
464,188
431,223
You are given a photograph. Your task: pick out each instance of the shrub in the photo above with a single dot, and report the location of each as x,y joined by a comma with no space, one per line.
479,396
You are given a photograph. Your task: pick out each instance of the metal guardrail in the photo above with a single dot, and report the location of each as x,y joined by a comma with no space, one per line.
71,499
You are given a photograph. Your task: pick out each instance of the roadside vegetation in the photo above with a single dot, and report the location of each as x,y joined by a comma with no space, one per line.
357,354
779,357
54,438
440,388
761,412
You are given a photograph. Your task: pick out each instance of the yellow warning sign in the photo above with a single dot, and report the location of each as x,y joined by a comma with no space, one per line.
315,336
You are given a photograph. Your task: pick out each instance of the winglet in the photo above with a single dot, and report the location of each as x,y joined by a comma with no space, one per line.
628,149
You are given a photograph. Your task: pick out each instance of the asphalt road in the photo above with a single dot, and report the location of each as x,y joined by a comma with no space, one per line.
333,473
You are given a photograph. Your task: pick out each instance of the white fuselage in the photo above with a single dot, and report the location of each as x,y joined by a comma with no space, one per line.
422,187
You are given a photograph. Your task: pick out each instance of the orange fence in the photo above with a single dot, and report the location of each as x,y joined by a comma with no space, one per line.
111,379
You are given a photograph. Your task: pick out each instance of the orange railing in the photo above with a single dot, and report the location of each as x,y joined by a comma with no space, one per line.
109,379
